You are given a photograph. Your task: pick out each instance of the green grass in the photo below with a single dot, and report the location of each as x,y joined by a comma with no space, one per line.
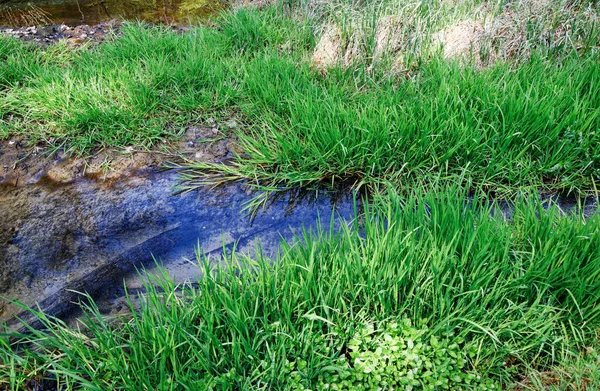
491,298
530,121
531,126
138,90
579,372
455,294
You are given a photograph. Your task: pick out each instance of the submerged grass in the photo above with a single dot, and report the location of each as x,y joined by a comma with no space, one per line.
529,121
438,275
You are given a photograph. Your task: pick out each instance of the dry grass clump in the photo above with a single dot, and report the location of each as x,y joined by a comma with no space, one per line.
365,35
557,28
252,3
461,39
395,33
329,50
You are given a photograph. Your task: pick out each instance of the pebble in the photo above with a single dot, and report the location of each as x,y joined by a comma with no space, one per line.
78,35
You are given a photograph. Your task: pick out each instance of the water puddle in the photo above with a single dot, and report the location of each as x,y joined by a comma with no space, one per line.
90,236
18,13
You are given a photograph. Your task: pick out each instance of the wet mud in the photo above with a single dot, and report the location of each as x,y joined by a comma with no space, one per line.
22,164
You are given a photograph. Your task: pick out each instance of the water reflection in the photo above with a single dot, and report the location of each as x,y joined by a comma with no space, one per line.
56,239
75,12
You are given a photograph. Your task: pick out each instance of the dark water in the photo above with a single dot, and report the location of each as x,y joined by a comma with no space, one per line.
18,13
88,236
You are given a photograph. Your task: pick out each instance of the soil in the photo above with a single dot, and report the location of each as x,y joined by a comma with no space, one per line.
22,164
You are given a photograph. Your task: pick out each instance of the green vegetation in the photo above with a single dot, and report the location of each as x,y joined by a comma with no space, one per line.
430,291
530,120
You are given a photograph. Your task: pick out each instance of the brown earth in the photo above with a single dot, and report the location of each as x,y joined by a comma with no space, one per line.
23,164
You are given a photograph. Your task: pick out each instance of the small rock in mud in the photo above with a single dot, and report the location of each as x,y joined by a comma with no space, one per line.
23,164
75,36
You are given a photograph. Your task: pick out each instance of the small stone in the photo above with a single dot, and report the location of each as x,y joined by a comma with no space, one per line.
84,36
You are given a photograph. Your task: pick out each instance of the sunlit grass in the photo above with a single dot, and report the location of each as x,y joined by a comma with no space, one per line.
526,122
535,125
520,296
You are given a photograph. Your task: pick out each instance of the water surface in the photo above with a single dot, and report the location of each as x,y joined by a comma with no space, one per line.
18,13
90,236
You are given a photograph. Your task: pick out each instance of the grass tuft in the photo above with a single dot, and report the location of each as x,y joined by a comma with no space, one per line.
526,122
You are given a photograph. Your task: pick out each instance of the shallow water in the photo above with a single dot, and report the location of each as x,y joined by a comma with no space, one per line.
18,13
91,236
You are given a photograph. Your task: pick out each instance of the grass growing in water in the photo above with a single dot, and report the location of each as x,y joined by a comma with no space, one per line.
450,292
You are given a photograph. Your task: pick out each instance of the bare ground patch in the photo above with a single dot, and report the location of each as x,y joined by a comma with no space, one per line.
24,164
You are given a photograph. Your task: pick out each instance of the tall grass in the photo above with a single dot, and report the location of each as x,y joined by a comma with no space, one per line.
514,295
504,127
533,123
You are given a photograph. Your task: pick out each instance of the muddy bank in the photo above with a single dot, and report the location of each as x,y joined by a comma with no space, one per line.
75,36
86,223
23,164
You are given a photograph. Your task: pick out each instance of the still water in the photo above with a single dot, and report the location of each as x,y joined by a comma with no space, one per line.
89,236
18,13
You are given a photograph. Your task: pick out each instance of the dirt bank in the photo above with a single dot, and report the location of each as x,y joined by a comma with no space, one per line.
75,36
23,164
